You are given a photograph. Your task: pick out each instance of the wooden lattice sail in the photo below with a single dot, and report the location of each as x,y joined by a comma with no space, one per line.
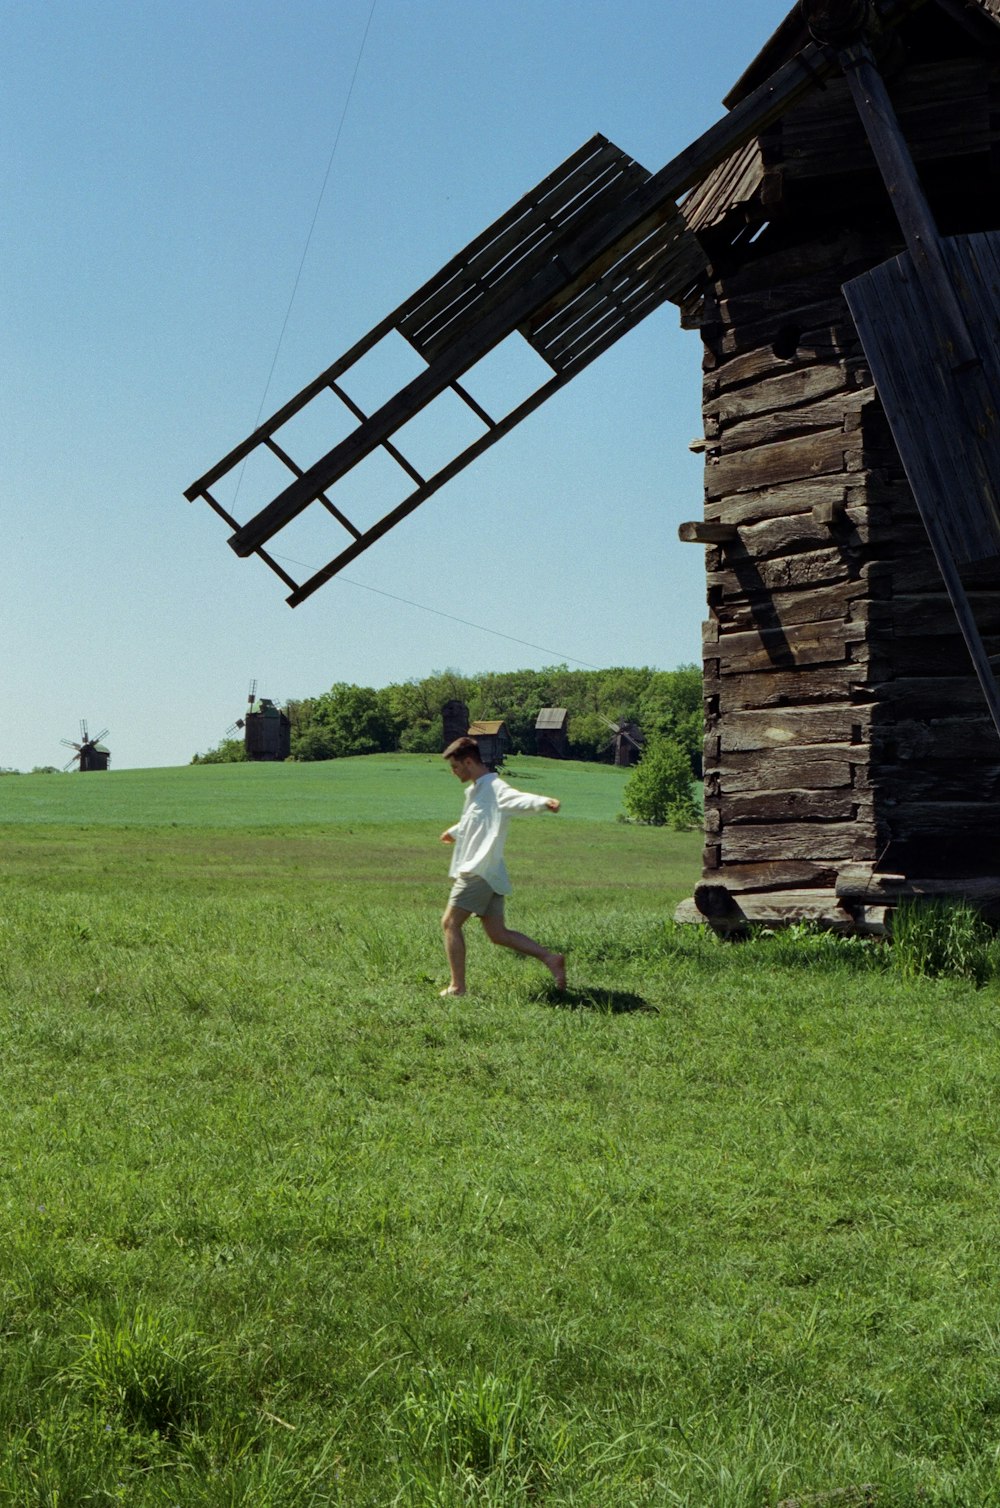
519,277
573,266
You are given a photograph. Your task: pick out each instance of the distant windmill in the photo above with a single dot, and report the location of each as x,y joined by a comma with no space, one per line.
267,731
626,741
90,752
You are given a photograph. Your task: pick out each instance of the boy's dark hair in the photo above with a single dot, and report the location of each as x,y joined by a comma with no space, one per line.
462,748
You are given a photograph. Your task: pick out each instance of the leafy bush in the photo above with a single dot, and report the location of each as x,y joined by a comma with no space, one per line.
659,789
229,751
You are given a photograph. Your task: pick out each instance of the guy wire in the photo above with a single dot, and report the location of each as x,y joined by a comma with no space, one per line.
312,227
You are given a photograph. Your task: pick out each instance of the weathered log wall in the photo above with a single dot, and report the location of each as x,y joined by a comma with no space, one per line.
845,732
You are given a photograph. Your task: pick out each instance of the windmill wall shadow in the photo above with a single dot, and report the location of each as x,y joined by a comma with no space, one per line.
852,442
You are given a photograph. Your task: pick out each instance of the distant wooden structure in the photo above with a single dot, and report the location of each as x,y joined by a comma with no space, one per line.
266,729
552,732
268,732
850,315
493,739
454,721
625,744
90,753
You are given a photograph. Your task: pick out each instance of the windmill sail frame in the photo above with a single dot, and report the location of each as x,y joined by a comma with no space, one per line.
574,265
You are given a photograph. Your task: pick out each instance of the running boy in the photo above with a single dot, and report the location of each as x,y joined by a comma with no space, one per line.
477,867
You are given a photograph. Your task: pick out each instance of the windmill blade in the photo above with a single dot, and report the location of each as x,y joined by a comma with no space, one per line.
69,743
597,246
620,730
98,736
71,762
83,730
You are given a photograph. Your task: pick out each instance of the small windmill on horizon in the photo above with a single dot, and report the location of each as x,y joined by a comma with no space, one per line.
626,742
90,753
266,729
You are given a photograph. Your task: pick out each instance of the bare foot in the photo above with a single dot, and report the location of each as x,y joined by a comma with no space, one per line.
556,965
451,990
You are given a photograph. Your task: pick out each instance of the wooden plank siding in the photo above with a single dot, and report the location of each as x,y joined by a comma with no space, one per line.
845,732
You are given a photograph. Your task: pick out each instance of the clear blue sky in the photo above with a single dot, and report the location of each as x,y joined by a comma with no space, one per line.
163,166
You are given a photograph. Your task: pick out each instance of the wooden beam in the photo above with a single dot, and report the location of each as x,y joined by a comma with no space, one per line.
830,512
707,533
878,117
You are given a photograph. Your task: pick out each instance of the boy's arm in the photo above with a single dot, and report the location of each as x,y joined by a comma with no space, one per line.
511,800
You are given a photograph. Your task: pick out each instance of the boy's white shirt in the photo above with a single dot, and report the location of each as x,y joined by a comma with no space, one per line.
481,831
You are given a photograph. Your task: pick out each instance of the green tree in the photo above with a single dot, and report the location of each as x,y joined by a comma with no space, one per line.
414,709
426,737
658,791
620,691
671,707
345,720
589,735
229,751
516,696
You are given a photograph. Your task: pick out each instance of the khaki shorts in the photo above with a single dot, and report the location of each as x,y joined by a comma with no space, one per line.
471,893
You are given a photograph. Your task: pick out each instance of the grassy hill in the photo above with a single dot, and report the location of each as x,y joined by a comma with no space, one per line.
376,788
366,821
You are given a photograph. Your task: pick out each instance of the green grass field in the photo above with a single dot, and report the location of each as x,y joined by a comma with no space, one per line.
280,1227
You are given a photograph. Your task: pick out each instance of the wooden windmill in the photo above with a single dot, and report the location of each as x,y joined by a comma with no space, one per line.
267,731
454,721
90,752
851,437
625,744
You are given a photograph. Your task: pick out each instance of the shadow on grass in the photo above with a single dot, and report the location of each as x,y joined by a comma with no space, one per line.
606,1002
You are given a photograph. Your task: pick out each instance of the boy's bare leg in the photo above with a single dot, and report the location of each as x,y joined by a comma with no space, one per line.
452,923
498,932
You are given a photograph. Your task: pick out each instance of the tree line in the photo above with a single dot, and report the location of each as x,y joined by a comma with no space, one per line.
406,715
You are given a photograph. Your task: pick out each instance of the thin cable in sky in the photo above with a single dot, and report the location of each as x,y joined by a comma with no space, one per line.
466,622
319,201
312,227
